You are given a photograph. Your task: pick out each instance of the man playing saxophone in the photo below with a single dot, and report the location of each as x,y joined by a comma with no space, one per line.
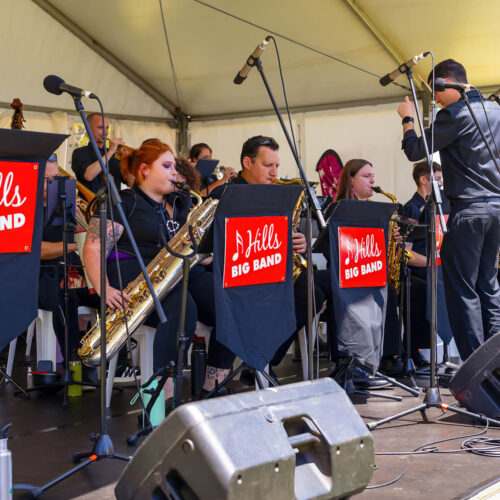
155,211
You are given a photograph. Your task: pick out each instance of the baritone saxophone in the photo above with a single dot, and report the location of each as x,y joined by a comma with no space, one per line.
165,272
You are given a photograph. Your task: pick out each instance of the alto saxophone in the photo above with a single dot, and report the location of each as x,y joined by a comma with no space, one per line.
299,262
395,251
165,271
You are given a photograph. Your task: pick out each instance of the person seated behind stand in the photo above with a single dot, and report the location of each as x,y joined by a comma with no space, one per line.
414,209
155,212
51,288
200,151
260,162
84,161
356,183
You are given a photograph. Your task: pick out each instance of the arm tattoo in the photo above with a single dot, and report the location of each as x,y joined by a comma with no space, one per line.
113,233
93,230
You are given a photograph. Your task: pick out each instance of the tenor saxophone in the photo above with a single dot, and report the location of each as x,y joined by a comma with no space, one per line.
165,271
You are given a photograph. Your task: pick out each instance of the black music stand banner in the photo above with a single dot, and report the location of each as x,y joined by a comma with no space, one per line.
253,263
22,168
358,273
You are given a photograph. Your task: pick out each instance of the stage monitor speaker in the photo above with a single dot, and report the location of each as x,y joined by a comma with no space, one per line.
298,441
477,382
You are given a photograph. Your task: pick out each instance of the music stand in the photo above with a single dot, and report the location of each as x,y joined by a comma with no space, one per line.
252,320
367,302
407,228
19,271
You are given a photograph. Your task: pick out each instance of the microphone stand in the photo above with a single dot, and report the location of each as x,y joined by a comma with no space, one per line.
174,368
103,445
312,204
432,397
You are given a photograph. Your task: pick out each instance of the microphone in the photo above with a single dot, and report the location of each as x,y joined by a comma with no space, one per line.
57,86
251,61
495,97
440,84
390,77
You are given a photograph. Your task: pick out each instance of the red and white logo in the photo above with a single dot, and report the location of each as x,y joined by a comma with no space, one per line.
362,257
255,251
18,184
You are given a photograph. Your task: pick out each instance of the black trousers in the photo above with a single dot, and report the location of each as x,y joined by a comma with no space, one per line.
469,258
200,293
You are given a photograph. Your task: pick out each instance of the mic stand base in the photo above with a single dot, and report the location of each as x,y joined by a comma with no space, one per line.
103,448
432,400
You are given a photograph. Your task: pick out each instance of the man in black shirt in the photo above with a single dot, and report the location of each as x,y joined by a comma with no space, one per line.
470,248
84,161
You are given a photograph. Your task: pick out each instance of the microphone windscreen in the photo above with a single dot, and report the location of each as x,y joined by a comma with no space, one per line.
439,85
52,84
385,80
238,79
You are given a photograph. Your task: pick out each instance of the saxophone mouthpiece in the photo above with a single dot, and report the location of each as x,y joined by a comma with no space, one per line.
181,186
377,189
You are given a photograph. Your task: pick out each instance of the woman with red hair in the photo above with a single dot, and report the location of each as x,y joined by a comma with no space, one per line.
155,211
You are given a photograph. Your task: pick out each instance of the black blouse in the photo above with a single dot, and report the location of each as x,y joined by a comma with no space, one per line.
149,221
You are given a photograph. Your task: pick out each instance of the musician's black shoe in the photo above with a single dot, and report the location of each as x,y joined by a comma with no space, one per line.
223,391
420,362
364,380
388,366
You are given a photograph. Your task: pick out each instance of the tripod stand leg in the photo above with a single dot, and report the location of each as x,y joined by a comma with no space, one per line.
37,491
374,425
268,377
393,381
478,416
10,379
383,396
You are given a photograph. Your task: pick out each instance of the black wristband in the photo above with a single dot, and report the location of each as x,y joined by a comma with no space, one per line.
407,119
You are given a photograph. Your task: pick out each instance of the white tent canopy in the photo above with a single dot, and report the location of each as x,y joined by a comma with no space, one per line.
118,49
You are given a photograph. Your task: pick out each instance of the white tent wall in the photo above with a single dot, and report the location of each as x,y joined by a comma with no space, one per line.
371,132
35,45
131,131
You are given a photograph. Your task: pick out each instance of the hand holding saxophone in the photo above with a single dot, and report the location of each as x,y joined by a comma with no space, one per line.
114,298
299,242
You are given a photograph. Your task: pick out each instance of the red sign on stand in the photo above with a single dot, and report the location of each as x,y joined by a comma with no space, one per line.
362,257
18,184
439,237
255,251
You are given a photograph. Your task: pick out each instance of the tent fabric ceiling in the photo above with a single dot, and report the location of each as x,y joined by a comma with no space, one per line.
208,48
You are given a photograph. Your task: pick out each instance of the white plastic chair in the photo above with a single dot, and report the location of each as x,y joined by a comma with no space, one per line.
145,336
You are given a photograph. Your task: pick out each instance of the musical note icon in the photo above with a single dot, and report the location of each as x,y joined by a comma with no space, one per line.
235,256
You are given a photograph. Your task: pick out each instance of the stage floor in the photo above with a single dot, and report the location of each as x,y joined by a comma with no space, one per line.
44,436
